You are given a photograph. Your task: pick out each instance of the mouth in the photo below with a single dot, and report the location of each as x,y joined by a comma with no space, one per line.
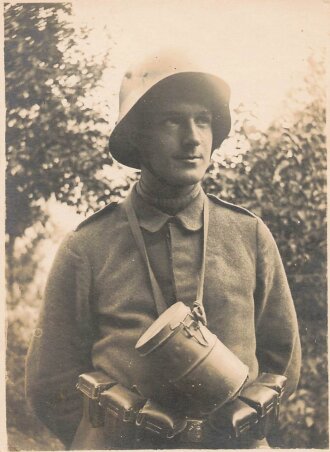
189,158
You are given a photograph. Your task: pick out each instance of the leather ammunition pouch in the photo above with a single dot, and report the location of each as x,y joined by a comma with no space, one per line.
131,421
234,420
158,427
122,403
121,409
92,385
273,381
255,412
165,423
265,401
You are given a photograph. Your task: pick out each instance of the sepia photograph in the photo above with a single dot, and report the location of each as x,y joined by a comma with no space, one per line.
165,232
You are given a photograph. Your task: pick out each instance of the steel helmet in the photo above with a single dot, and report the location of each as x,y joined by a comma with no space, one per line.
173,70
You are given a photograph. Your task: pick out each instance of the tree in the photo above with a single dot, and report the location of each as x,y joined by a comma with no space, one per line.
55,143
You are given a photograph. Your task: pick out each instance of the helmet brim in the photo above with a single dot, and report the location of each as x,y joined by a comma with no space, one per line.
213,91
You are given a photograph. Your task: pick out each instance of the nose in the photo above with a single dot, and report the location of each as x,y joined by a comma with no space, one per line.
191,135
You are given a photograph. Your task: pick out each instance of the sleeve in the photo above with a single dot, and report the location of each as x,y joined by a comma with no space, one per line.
277,334
61,346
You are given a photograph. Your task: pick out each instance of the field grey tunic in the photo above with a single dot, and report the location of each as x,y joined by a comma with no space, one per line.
98,300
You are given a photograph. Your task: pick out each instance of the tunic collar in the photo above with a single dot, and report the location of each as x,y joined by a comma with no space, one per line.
153,219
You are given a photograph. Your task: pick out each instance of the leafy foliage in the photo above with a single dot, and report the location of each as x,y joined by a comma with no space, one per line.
55,141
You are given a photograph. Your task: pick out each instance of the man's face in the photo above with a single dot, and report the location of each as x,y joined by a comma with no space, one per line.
175,142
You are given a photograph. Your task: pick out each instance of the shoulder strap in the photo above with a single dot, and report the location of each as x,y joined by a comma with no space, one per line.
231,206
97,215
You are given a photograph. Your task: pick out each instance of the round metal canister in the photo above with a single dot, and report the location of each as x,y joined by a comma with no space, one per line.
197,362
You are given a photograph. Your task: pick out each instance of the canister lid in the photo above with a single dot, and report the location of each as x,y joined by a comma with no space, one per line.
162,328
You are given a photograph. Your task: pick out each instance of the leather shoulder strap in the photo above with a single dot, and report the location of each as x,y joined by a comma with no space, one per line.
231,206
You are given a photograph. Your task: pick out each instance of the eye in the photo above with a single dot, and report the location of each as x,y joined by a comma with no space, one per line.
171,121
204,119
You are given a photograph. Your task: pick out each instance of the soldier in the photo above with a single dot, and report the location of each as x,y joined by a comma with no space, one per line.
167,242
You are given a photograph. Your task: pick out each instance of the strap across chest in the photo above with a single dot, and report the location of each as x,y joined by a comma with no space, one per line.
161,305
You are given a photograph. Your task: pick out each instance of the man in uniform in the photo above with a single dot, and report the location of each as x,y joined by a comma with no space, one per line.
100,297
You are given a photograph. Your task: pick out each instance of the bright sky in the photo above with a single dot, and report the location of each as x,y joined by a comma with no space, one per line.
259,46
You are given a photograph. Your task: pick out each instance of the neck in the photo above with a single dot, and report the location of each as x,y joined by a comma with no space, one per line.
168,198
156,187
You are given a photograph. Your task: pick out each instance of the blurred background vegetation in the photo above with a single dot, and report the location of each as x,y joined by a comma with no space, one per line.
56,154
